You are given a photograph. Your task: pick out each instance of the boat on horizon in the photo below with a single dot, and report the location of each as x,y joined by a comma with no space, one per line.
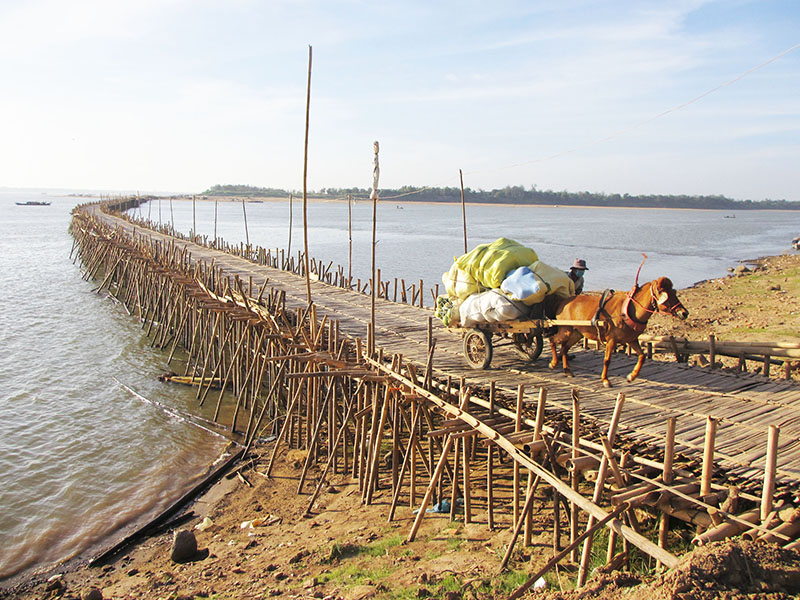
33,203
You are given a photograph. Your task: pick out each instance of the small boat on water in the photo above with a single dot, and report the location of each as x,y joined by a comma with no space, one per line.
796,243
33,203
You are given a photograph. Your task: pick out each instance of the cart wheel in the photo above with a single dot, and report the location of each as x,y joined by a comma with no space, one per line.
478,348
528,345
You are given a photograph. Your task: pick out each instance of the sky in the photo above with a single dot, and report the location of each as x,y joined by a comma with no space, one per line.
603,96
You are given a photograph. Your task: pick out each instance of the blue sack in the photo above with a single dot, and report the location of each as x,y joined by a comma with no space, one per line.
523,284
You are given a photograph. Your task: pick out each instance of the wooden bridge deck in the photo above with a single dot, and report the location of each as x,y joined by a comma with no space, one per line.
744,404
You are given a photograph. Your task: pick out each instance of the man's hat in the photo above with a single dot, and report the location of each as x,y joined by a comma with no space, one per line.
580,265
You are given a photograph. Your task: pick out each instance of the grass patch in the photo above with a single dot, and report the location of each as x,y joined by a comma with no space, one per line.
506,582
381,547
339,551
354,574
790,333
366,571
432,554
454,543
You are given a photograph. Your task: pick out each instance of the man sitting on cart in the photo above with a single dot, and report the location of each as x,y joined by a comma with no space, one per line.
576,274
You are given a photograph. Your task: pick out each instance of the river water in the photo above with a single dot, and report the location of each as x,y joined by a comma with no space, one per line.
420,240
81,457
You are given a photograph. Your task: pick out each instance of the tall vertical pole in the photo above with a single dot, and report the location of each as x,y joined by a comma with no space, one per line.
576,436
159,210
376,171
216,201
305,180
171,214
194,218
463,210
246,233
289,247
350,238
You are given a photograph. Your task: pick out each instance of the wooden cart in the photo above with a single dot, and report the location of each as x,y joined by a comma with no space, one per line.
526,337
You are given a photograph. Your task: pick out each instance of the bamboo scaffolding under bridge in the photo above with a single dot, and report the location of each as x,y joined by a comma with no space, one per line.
716,450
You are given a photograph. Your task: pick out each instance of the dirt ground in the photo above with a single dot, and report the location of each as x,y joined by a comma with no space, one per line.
730,569
256,541
344,549
759,304
762,303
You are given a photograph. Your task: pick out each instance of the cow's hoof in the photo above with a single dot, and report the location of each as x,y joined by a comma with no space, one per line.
568,373
630,378
552,365
606,383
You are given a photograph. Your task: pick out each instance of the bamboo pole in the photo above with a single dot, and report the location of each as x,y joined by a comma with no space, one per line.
515,454
667,478
437,473
602,522
372,473
365,480
350,243
289,244
435,477
467,491
286,425
490,466
305,184
454,487
276,382
770,466
708,456
517,429
575,475
313,444
518,525
374,197
463,210
324,474
415,448
407,460
598,489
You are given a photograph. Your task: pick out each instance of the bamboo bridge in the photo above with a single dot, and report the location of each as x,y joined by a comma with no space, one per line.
717,450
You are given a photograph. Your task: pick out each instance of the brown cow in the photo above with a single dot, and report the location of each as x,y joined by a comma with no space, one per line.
624,317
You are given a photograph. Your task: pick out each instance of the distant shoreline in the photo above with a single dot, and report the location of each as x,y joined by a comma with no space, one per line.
272,199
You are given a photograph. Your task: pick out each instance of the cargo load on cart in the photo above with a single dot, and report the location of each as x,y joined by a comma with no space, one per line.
498,282
500,289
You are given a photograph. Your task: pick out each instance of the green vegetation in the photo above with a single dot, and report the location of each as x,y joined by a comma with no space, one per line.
359,564
519,195
245,190
377,548
350,574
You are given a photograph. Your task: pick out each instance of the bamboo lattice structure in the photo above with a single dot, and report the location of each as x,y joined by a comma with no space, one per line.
271,369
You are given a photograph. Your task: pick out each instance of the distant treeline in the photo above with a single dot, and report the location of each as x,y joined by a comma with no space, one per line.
518,195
